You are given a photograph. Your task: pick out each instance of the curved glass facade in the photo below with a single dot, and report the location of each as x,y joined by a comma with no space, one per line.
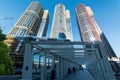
29,22
90,30
61,23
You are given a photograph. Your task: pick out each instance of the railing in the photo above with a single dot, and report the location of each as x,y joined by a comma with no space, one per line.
36,78
13,77
99,70
96,71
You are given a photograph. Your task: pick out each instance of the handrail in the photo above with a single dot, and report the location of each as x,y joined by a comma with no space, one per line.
16,77
37,77
98,61
92,65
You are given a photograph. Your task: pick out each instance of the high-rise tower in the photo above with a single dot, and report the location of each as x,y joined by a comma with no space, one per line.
29,22
90,30
44,24
61,26
33,22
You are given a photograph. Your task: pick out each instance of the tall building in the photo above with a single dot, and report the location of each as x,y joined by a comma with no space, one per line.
33,22
61,25
44,24
91,32
29,22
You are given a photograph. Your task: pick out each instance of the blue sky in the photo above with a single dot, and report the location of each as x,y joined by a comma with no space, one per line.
106,12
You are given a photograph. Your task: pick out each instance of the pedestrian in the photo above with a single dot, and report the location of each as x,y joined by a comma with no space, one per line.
74,70
69,70
53,74
81,68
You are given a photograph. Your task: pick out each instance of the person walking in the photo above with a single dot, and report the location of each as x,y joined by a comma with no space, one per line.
74,70
69,70
53,74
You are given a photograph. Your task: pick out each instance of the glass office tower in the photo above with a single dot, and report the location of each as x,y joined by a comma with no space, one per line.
44,25
61,25
33,22
91,32
29,22
89,28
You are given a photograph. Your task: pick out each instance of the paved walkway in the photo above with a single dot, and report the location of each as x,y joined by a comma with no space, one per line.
80,75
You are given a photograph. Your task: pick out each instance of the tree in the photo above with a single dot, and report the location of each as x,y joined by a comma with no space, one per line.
6,63
2,37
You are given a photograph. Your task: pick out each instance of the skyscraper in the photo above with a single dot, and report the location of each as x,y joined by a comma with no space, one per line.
61,25
90,30
33,22
29,22
44,24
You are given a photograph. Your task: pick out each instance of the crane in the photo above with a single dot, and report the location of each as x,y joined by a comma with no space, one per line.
5,18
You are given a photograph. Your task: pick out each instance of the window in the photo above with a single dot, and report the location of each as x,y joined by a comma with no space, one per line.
61,36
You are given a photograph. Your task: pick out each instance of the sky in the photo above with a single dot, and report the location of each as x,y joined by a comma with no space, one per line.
106,12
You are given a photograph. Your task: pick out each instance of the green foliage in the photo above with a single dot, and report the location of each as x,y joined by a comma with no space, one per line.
2,37
2,69
6,63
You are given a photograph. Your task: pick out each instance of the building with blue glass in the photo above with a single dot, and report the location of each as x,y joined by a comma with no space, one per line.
61,25
90,32
33,22
44,25
29,22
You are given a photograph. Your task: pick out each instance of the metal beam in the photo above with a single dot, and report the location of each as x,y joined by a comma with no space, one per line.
61,42
70,49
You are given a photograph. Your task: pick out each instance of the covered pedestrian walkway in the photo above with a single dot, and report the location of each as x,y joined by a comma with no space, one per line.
59,55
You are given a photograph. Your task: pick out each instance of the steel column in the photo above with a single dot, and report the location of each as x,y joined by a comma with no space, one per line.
27,65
